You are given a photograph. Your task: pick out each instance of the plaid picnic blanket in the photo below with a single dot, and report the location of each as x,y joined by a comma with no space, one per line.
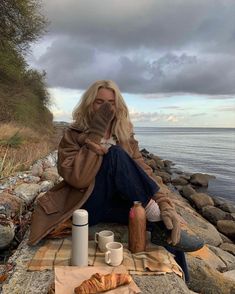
57,252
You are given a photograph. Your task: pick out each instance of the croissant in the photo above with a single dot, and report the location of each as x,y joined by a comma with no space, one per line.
101,283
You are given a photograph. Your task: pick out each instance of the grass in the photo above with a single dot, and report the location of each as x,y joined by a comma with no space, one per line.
21,146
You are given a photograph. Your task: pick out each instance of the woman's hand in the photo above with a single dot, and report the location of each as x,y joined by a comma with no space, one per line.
97,148
102,119
169,216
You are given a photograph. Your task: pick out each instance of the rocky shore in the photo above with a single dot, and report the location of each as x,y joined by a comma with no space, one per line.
212,269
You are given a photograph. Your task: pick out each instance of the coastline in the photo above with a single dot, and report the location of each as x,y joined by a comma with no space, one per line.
199,210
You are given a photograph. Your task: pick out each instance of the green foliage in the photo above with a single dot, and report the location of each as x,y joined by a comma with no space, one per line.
14,141
23,93
21,23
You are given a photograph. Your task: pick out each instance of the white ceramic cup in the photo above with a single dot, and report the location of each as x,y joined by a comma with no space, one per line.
114,253
102,238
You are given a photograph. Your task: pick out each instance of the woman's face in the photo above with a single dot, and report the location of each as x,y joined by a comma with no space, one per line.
104,95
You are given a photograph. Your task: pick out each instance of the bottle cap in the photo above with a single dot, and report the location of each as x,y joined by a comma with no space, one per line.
80,217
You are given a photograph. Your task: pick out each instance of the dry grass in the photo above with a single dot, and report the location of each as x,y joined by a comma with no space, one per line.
32,147
8,130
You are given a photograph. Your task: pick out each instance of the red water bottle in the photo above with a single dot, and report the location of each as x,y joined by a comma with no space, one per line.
137,228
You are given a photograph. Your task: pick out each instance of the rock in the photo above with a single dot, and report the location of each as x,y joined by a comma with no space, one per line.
227,227
229,207
185,176
160,164
164,175
144,151
12,204
46,185
213,214
210,258
188,191
227,258
218,201
7,232
206,280
27,192
37,170
167,163
200,179
151,163
225,238
230,275
51,174
201,200
179,181
232,215
198,225
32,179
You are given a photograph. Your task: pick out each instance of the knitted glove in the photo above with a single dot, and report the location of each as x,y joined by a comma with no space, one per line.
169,217
100,122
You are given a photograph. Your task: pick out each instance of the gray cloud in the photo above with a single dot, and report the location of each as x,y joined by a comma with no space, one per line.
153,47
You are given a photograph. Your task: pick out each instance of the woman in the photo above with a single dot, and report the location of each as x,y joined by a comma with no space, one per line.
103,170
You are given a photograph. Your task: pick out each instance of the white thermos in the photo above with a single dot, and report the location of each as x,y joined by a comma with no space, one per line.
80,238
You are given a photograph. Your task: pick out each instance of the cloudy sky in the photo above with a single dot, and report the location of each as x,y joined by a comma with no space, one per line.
174,60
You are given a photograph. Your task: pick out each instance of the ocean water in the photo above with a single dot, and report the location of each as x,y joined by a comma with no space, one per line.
204,150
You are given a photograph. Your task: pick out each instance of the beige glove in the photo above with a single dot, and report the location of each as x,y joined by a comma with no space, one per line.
169,217
100,122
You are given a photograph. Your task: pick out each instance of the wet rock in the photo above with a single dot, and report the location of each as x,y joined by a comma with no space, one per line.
51,174
168,163
229,207
201,200
179,181
46,185
227,227
7,232
12,205
27,192
187,191
200,179
213,214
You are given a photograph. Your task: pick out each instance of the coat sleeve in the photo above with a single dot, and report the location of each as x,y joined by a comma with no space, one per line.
77,164
137,156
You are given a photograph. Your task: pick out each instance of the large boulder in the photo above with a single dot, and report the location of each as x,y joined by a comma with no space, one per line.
164,175
229,207
213,214
227,258
27,192
201,199
51,174
200,179
229,247
7,232
187,191
199,225
204,279
227,227
12,205
179,181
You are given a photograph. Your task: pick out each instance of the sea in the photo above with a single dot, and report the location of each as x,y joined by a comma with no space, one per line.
196,150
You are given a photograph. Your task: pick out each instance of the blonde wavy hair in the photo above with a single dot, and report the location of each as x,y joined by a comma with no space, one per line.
122,127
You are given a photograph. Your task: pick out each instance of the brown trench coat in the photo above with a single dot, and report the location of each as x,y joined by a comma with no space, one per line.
78,165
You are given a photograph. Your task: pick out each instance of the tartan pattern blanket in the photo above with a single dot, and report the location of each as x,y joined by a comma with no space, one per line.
57,252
